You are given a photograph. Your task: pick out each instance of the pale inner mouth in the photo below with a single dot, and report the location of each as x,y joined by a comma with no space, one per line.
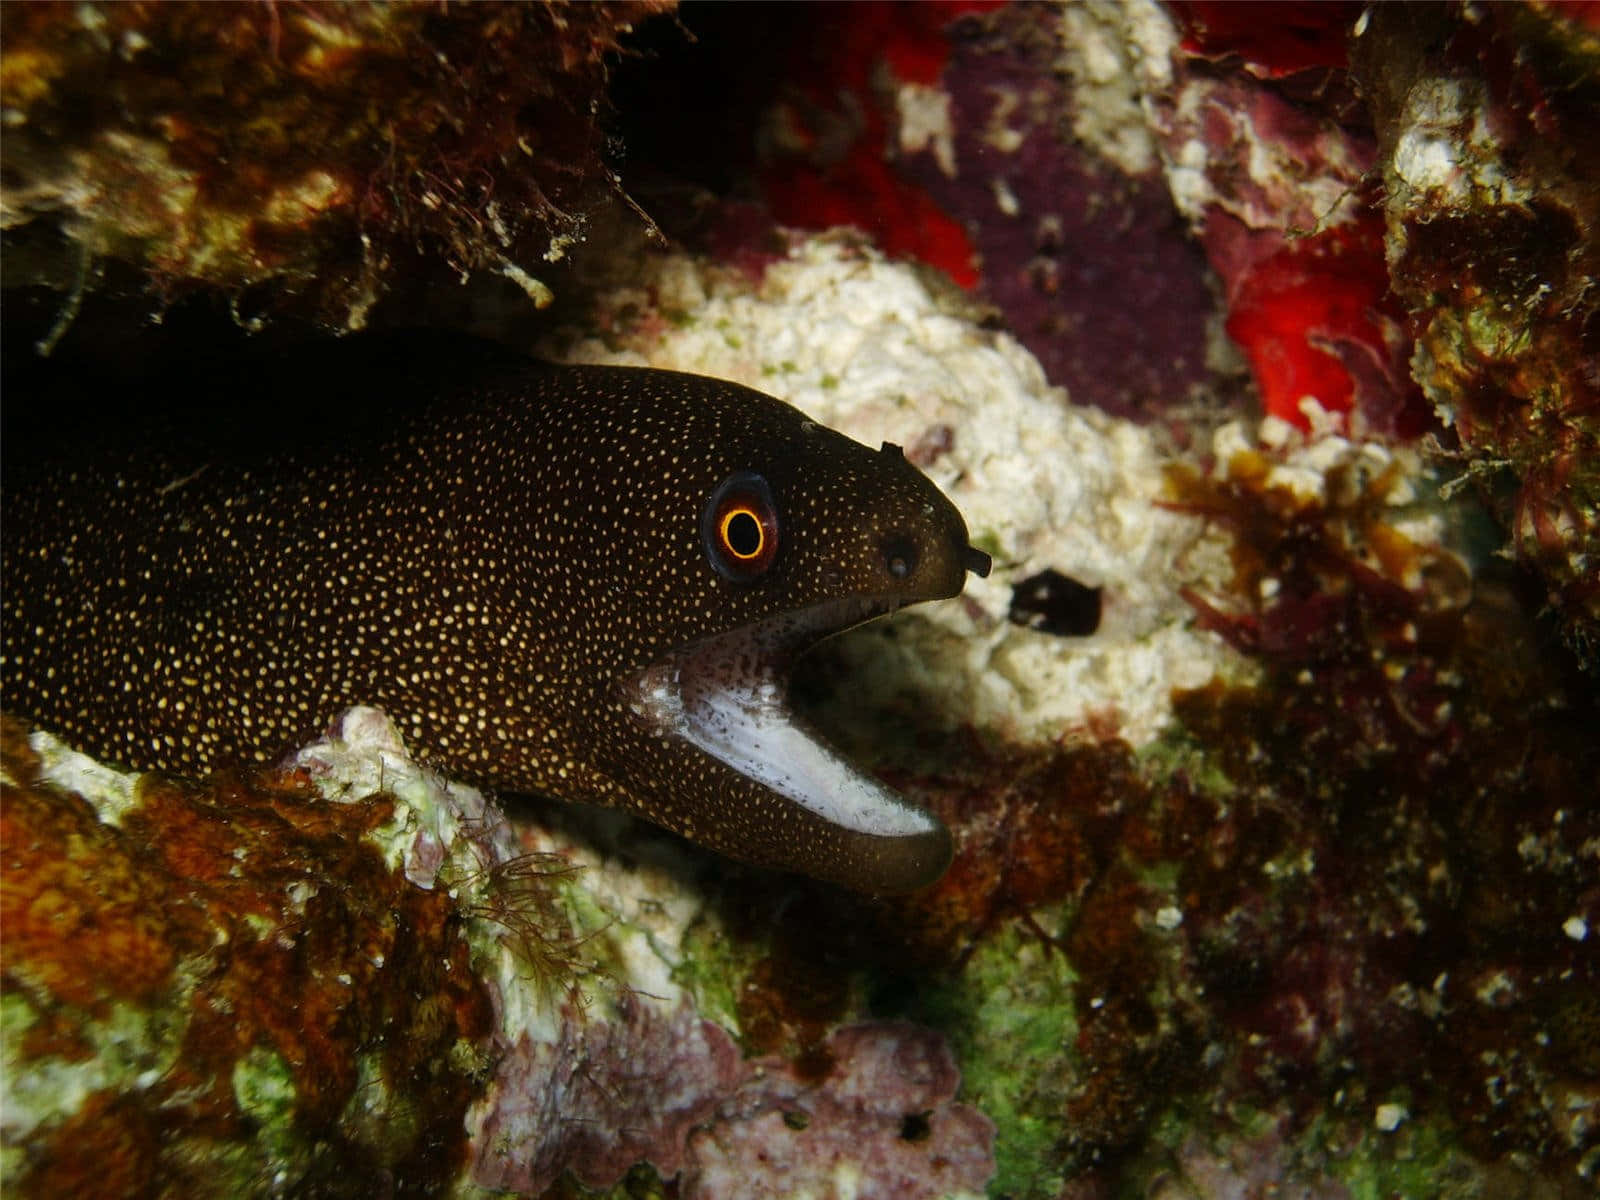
728,697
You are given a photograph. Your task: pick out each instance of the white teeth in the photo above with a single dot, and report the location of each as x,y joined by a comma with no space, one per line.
725,697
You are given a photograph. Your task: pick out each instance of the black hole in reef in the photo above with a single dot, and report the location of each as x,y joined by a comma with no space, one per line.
900,556
1055,603
744,534
916,1127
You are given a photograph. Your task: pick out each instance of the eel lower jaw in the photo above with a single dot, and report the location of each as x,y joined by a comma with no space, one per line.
728,697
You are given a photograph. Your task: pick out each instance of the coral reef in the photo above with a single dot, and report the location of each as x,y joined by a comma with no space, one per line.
1414,745
880,1124
940,130
1271,145
1277,851
298,152
1354,895
1268,155
400,987
209,989
1492,210
1251,895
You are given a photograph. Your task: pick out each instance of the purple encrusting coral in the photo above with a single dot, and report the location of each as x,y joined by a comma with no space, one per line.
1089,263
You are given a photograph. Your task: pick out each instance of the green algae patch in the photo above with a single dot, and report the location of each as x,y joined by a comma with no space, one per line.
1419,1157
1177,754
710,970
263,1088
1011,1019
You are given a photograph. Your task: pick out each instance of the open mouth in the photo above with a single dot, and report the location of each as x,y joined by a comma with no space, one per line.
728,697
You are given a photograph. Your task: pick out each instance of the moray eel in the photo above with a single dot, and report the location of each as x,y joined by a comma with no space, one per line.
587,582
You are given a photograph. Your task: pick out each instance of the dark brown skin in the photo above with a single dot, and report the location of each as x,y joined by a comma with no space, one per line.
491,557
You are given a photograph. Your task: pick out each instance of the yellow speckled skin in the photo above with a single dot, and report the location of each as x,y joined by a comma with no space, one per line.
489,554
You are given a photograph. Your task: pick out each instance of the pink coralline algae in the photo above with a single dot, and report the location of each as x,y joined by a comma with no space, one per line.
605,1095
882,1124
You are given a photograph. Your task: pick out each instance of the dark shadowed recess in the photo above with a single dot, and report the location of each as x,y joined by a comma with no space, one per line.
116,379
689,97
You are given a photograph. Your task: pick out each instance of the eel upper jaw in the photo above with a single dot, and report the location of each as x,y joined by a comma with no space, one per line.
727,695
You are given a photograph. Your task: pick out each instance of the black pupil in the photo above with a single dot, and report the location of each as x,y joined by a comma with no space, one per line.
744,534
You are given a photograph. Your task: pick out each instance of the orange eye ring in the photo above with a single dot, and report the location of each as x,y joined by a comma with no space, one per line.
740,527
741,533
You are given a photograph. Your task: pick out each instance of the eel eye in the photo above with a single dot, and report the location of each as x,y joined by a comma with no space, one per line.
740,527
900,556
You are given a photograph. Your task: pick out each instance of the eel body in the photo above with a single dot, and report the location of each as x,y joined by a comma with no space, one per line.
587,582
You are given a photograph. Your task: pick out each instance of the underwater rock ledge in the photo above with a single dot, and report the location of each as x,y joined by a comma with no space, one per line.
350,970
303,152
